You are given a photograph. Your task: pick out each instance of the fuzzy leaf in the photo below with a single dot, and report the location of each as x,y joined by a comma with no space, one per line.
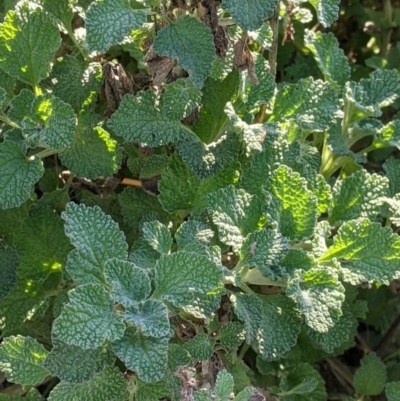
108,385
76,82
327,11
232,335
18,174
51,122
28,41
158,236
200,347
76,365
319,296
25,300
145,355
263,250
179,275
296,205
89,318
224,385
180,98
236,214
151,317
370,377
392,391
20,106
389,135
21,359
96,238
109,21
299,375
250,14
312,105
359,195
249,309
367,252
140,119
331,60
8,269
191,43
41,245
62,10
193,232
93,152
280,313
130,284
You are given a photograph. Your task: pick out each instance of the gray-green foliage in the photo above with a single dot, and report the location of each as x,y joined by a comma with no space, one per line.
258,229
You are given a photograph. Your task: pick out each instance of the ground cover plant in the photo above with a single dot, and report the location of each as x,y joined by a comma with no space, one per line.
199,200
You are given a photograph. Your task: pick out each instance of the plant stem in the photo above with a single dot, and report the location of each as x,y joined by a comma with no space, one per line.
46,152
6,120
243,350
386,32
77,45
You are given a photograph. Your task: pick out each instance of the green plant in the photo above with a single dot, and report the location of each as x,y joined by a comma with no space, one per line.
266,209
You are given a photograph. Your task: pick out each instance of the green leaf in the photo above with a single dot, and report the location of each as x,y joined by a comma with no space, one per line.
18,174
359,195
158,236
136,205
130,284
224,385
76,365
367,252
312,105
180,98
300,378
331,60
392,170
392,391
8,85
232,335
264,91
108,385
154,165
145,355
394,209
200,347
337,337
327,11
367,97
62,10
93,152
109,21
207,160
249,309
76,82
216,93
319,296
280,313
179,275
8,269
41,245
252,135
370,377
263,36
250,14
263,250
51,122
89,318
21,359
141,119
193,47
21,304
236,214
151,391
92,247
193,232
389,135
20,106
151,317
177,356
28,41
296,205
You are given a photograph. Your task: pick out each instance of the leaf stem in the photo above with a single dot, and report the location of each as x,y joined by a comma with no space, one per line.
77,45
6,120
46,152
243,350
